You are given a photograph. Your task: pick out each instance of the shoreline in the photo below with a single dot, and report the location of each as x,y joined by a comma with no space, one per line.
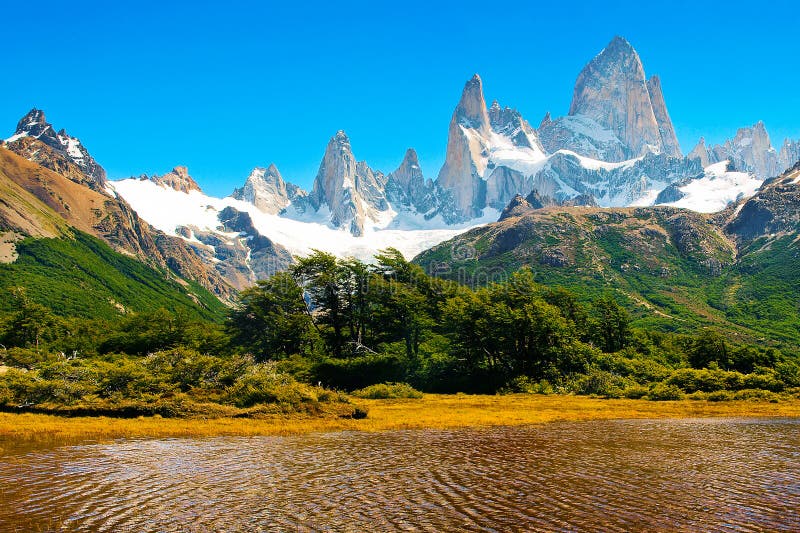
433,411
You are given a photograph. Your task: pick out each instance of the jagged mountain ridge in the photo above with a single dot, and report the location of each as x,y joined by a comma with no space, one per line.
34,125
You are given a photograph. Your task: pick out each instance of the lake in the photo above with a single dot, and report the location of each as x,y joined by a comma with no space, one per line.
664,475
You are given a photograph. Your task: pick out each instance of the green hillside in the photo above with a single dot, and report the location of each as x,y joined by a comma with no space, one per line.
84,277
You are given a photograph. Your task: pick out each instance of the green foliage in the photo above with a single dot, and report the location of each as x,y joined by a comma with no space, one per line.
611,327
384,391
383,330
661,392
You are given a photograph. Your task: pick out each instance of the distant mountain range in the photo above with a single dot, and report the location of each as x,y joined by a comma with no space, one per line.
615,148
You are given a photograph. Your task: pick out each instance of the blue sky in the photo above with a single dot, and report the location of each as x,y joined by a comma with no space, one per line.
223,87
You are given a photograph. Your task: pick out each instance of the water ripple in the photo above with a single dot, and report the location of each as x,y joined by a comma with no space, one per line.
688,475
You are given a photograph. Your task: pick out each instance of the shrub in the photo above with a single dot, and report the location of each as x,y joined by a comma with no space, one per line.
525,385
384,391
635,392
601,383
661,392
766,380
756,394
720,396
264,385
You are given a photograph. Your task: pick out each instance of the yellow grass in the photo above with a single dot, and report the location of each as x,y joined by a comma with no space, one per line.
433,411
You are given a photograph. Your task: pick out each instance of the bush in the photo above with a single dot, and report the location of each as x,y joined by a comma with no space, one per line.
601,383
766,381
525,385
720,396
661,392
385,391
264,385
635,392
756,394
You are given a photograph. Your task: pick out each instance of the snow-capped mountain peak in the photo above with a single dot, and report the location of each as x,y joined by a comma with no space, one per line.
34,125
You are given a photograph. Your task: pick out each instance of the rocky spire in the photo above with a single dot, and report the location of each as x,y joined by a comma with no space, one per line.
35,124
179,179
669,141
612,90
790,153
407,185
351,190
471,110
701,153
467,153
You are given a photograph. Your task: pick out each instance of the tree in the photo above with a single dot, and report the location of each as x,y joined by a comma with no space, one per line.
612,325
271,319
708,347
32,324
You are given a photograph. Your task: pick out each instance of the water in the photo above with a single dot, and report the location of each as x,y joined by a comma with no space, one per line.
724,475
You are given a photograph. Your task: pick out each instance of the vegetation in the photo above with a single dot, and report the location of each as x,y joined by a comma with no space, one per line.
381,330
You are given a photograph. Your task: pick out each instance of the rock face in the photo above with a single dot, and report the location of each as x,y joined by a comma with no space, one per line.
790,153
351,190
669,141
34,125
178,179
407,186
773,212
612,90
266,189
701,153
242,259
510,124
583,136
750,151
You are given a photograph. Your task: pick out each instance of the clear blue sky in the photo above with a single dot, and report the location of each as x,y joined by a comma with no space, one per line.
223,87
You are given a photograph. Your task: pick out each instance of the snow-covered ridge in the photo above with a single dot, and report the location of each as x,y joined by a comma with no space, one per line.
168,209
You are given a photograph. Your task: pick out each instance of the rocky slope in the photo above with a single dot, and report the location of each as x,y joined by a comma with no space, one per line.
94,212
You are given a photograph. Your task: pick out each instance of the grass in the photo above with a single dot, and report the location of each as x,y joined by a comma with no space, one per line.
430,412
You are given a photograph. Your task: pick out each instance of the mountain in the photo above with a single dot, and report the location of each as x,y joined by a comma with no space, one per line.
28,185
612,90
407,187
34,125
738,267
54,242
266,189
349,190
616,147
790,152
751,151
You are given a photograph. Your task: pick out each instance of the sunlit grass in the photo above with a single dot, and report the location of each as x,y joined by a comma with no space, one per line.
432,411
